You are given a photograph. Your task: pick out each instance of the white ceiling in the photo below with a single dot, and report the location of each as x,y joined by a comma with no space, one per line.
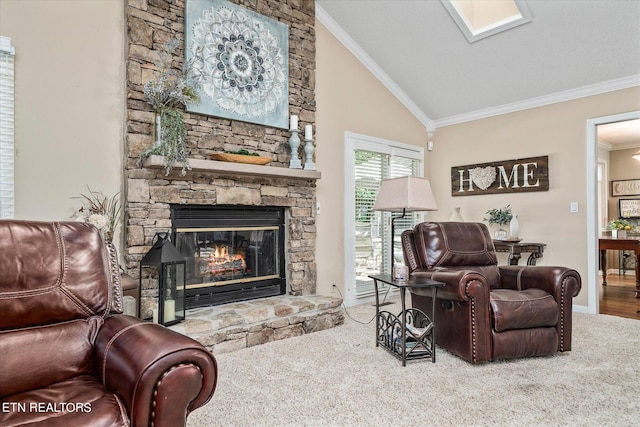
570,49
620,135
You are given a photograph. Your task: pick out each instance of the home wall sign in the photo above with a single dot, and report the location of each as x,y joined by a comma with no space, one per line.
626,187
240,59
629,208
506,176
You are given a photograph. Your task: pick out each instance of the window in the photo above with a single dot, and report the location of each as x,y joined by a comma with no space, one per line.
478,19
367,237
7,54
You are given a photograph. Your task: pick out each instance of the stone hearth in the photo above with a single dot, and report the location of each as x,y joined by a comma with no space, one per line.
236,326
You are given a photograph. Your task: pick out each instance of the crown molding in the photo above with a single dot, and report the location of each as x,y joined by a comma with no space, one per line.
604,145
323,17
567,95
610,147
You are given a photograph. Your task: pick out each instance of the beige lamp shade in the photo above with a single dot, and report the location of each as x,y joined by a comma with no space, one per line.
636,156
405,194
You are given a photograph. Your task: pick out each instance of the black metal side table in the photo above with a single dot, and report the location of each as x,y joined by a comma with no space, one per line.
411,333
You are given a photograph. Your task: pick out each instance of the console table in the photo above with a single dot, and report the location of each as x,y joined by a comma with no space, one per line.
619,245
515,250
411,334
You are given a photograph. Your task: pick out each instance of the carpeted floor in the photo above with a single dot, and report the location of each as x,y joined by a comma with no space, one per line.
338,377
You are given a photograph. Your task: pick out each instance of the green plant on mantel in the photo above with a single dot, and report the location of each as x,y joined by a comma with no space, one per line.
166,93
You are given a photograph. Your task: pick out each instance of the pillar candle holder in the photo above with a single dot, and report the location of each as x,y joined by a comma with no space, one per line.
308,151
294,144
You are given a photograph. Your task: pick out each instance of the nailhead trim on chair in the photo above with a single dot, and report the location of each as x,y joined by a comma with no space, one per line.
116,287
159,383
409,250
473,324
562,295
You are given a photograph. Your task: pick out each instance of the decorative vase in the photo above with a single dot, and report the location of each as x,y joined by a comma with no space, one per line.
455,215
157,134
308,158
618,234
514,227
500,233
294,144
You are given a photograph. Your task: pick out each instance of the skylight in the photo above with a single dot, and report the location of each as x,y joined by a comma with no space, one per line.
478,19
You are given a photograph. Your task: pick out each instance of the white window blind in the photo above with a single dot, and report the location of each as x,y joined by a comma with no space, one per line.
7,54
373,228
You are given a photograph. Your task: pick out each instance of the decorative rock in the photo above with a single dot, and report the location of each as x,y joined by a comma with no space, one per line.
238,196
288,332
262,337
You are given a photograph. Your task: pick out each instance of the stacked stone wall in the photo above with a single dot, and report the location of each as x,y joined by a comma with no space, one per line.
149,192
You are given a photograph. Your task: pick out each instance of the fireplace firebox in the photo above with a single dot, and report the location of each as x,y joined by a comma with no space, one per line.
233,253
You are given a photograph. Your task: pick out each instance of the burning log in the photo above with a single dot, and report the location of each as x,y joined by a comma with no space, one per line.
227,267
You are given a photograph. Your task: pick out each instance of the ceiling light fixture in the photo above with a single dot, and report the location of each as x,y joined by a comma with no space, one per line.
480,19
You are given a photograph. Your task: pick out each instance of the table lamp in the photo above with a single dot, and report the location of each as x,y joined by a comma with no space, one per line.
402,195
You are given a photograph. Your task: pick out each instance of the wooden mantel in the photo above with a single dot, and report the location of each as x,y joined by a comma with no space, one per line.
201,165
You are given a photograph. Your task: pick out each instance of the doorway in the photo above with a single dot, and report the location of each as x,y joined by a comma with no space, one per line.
596,190
369,160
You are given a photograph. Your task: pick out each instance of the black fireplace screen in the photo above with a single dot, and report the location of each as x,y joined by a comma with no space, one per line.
233,254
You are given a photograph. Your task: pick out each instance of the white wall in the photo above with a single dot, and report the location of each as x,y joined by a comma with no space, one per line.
69,89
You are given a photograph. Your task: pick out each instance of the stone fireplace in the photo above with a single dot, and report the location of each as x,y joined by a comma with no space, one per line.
152,196
234,194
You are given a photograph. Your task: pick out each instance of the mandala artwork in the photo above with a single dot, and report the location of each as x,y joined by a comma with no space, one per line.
239,58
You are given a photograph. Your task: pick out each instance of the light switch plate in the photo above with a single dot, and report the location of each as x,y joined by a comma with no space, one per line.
573,207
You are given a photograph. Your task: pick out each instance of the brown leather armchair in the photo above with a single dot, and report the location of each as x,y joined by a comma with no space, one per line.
67,355
487,312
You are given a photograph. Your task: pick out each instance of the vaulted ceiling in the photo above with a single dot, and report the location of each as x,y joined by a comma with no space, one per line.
570,49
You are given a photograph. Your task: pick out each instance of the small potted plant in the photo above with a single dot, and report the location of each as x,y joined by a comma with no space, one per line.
101,211
619,228
501,217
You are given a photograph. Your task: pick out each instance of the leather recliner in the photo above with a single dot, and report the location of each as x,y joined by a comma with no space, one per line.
67,355
487,312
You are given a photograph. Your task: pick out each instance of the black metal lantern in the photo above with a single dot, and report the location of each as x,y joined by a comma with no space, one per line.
172,276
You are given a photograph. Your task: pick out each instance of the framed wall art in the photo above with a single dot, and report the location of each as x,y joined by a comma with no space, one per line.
629,208
505,176
625,187
240,60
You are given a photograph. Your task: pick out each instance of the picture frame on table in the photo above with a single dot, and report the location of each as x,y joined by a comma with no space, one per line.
629,208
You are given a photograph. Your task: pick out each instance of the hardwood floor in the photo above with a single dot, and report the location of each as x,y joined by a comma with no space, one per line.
618,298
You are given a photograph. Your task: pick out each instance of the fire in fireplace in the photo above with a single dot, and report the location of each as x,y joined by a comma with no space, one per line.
233,253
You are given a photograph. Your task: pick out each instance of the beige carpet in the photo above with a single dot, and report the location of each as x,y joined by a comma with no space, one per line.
338,377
